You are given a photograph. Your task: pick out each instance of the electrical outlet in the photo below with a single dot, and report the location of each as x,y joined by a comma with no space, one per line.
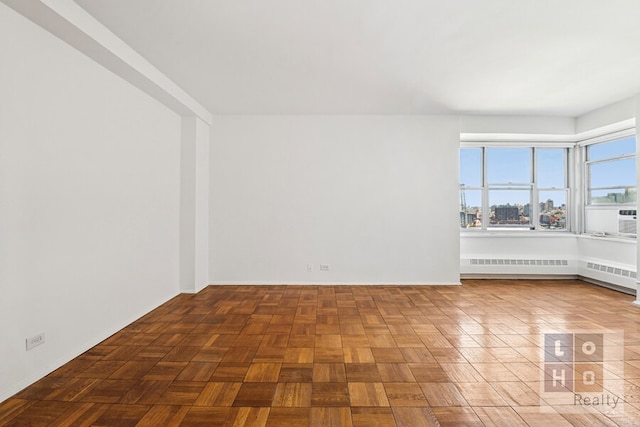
309,268
324,267
35,341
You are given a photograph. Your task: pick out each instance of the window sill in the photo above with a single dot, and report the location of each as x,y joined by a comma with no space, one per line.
608,238
516,233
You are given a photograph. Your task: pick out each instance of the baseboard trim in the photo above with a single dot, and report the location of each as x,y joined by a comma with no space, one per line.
607,285
335,283
511,276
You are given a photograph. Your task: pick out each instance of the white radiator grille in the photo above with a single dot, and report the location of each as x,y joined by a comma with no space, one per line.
529,262
611,270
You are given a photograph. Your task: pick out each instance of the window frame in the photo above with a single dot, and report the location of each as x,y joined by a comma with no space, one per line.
585,193
532,187
588,163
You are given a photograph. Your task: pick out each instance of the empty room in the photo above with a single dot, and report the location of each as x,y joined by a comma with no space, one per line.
321,213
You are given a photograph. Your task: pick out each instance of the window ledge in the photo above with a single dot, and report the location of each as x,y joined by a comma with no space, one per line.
518,234
608,238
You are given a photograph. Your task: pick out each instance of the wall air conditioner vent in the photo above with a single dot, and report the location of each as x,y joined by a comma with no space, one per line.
627,219
611,270
529,262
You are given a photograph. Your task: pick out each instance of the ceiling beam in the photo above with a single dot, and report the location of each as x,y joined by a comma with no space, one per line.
68,21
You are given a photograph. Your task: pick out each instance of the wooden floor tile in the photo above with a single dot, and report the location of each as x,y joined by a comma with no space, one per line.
230,372
218,394
405,394
363,372
372,416
109,391
541,416
457,416
417,355
358,355
443,394
495,372
329,394
293,395
11,408
480,394
255,394
83,414
165,371
263,372
298,355
197,371
428,372
296,373
367,394
290,417
247,417
329,373
200,416
122,415
395,372
145,392
499,417
517,393
181,393
387,355
133,370
164,415
415,417
330,417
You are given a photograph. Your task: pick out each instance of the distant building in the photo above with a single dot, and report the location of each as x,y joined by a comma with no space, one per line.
505,214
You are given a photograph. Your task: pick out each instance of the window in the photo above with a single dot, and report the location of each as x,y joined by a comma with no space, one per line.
519,188
611,172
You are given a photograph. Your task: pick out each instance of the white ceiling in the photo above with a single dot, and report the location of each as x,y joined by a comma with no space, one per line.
540,57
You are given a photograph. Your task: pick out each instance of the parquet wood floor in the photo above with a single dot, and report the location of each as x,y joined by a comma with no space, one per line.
339,356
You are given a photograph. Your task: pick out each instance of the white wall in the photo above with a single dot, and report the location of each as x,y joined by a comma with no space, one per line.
601,119
517,125
373,197
89,202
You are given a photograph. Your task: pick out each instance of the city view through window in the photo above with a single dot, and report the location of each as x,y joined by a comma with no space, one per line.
510,188
514,213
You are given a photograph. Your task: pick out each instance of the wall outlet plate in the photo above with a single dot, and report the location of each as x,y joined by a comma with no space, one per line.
35,341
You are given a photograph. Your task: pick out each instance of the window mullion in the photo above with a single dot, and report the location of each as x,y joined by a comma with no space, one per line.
485,191
533,195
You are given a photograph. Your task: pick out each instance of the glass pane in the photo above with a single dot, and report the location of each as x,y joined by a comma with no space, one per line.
510,207
616,173
509,165
470,208
613,196
606,150
551,167
471,167
553,210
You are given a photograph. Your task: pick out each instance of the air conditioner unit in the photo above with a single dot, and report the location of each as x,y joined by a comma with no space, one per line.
627,222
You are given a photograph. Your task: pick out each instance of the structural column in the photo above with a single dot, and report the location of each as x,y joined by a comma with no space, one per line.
194,205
